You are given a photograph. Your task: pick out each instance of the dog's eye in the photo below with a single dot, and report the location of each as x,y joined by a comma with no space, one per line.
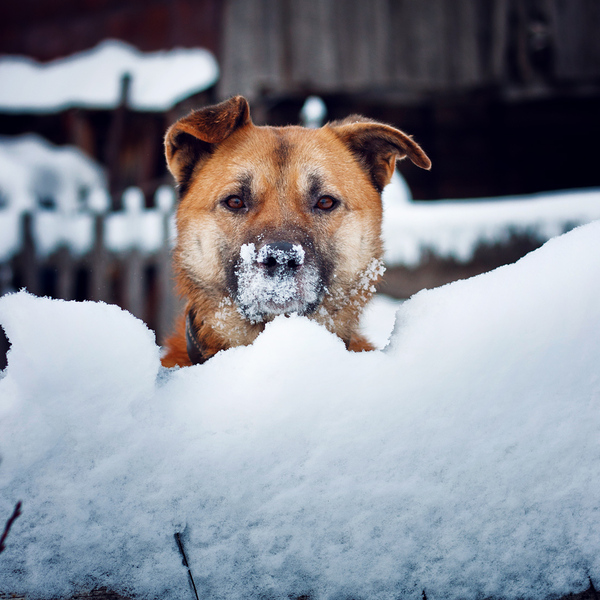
326,203
234,203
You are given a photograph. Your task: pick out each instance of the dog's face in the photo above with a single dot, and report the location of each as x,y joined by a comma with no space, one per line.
280,220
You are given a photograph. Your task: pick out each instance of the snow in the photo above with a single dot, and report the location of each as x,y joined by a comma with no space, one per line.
313,112
92,79
37,174
138,228
378,318
64,189
456,228
57,182
260,293
463,460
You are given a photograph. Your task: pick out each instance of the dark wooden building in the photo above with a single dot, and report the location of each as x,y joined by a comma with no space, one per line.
503,94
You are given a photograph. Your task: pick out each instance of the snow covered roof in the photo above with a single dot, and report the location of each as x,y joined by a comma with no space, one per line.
462,461
92,79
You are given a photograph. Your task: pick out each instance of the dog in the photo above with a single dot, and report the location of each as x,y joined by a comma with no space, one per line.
274,221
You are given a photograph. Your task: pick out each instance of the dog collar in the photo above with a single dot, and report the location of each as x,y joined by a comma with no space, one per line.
194,348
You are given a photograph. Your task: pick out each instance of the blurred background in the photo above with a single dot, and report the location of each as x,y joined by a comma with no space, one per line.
503,95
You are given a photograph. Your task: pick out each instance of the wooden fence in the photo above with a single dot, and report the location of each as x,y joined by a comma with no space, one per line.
120,257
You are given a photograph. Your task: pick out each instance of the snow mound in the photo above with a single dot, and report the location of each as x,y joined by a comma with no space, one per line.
463,460
92,79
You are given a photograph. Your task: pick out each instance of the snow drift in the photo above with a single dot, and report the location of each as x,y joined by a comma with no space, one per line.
463,460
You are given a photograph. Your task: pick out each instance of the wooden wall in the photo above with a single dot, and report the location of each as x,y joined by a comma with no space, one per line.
407,48
48,29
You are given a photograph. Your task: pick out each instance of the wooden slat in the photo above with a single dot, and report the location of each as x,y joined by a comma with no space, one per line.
98,264
337,46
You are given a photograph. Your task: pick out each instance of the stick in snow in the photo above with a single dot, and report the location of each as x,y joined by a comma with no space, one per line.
185,563
16,514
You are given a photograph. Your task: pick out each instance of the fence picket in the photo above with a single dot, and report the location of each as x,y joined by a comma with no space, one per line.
137,278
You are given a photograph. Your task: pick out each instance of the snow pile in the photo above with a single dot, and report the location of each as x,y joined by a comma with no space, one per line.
92,79
455,228
462,461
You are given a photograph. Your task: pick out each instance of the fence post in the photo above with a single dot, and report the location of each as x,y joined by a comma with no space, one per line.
133,283
167,300
28,257
65,281
98,263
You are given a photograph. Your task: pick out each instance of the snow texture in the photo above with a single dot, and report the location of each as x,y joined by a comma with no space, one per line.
463,460
456,228
92,79
261,295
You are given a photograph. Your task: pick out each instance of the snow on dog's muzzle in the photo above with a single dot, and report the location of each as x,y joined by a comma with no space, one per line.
280,258
276,279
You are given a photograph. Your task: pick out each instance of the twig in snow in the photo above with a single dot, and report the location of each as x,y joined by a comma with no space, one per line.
186,564
16,514
592,589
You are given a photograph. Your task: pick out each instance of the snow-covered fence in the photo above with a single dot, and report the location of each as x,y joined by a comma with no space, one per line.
120,257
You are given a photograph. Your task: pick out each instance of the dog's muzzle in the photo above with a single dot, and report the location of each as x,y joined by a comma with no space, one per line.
278,278
280,259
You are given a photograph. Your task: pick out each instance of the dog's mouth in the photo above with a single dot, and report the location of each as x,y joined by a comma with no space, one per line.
277,279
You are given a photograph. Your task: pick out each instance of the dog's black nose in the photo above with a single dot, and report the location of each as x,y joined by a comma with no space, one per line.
280,257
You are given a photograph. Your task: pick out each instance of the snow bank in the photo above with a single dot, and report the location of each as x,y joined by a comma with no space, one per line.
92,79
463,460
455,228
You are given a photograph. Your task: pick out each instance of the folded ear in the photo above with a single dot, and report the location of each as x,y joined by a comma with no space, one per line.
192,139
377,147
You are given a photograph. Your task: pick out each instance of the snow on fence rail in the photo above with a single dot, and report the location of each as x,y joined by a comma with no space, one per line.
119,257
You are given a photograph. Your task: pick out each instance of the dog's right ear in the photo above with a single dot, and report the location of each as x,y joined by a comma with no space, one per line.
191,140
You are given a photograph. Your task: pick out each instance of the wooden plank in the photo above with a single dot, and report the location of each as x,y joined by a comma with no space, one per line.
65,279
576,40
98,264
27,259
133,283
168,304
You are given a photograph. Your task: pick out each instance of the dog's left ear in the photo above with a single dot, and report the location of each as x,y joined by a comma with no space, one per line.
377,147
192,139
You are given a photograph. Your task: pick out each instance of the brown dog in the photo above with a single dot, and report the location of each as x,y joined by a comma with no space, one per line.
276,220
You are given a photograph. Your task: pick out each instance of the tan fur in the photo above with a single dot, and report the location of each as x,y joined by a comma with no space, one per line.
218,147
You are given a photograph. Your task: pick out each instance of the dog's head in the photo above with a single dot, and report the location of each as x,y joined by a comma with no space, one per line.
280,219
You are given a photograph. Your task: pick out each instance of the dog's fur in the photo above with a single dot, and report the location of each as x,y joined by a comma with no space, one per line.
276,220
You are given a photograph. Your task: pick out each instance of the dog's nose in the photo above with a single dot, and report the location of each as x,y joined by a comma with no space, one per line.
280,257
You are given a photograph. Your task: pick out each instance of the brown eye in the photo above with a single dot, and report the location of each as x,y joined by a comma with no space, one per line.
325,203
234,203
